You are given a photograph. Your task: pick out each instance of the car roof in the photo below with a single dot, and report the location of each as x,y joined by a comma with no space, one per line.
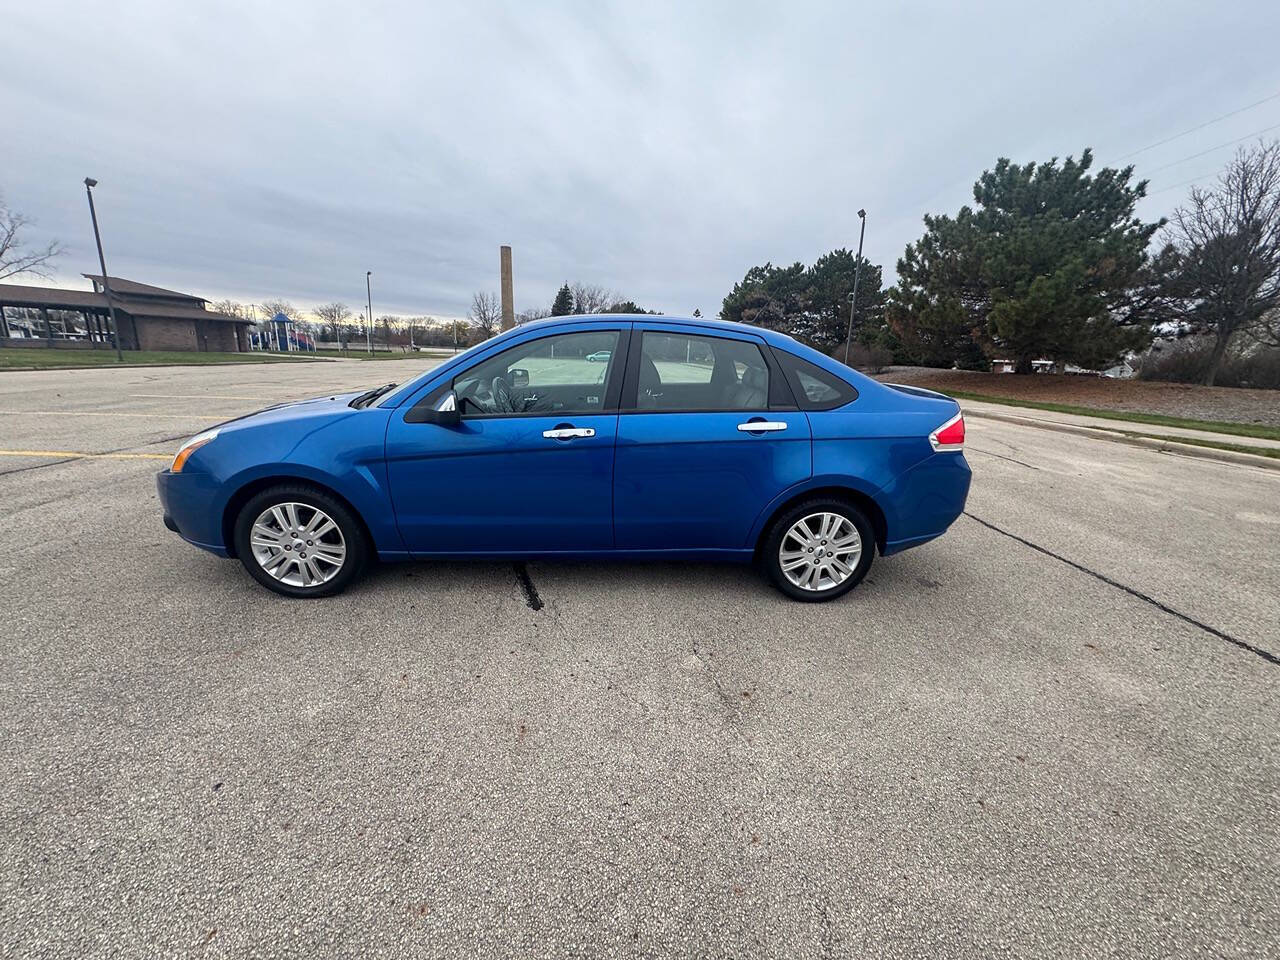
791,345
708,323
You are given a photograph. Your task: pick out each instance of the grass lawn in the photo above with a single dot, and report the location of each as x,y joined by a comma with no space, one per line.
1156,419
54,359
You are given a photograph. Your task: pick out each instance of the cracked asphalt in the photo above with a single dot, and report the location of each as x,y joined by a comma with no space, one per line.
1052,732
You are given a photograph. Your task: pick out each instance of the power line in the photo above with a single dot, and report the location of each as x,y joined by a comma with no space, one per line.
1182,184
1229,143
1207,123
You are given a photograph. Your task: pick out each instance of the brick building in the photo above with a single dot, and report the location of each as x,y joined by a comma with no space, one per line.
150,318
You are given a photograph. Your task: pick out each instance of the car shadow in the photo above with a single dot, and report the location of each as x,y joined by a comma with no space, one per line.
544,581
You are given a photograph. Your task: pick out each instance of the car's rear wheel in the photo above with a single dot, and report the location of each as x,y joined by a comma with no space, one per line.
818,550
300,541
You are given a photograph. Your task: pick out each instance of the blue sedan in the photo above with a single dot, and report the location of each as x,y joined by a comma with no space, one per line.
690,440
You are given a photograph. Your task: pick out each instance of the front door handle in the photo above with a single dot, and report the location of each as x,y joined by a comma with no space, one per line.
762,426
568,433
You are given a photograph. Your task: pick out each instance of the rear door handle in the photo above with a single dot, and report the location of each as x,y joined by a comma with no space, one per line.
568,433
762,426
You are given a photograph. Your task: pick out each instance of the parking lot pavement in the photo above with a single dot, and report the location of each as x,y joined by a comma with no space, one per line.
1052,732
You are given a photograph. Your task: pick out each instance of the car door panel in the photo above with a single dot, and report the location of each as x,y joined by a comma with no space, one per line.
497,485
695,481
529,468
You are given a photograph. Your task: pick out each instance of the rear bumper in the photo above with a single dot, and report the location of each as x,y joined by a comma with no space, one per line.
190,510
927,500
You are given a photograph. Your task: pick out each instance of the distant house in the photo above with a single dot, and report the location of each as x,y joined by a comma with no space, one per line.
150,318
1123,370
1037,366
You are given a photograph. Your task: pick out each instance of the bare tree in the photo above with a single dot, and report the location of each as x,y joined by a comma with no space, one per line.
231,308
1228,239
269,308
590,298
533,313
15,256
485,313
1267,330
334,316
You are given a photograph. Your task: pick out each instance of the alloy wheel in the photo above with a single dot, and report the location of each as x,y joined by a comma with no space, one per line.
298,544
820,551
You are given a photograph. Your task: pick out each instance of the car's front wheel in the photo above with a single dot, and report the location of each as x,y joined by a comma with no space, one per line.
818,550
300,541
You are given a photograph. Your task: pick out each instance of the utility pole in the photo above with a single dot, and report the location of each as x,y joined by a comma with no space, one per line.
368,289
89,184
857,275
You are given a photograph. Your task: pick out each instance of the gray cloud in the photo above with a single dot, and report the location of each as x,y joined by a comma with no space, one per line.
256,150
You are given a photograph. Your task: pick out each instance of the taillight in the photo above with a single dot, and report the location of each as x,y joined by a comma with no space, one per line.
949,436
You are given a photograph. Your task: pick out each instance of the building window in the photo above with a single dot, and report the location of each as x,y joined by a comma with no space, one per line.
23,323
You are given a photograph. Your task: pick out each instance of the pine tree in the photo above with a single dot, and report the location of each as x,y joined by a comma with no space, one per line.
562,306
809,303
1045,266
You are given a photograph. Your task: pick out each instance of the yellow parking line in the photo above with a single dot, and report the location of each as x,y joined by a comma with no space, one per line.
67,454
96,413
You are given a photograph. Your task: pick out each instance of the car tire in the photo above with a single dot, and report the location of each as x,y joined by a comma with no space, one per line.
830,524
339,550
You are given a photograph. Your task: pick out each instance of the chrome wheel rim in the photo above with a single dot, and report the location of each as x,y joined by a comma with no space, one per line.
820,551
298,544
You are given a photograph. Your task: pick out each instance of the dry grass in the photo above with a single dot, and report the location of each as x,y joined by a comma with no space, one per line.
1168,401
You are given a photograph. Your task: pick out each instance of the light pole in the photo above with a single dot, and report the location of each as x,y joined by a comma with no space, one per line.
89,184
368,289
857,275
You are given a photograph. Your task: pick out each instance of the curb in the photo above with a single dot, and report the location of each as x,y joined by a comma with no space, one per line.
1151,443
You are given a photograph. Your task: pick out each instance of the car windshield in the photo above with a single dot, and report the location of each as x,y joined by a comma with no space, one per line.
392,398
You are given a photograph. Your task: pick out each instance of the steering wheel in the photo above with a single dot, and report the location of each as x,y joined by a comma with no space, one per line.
500,391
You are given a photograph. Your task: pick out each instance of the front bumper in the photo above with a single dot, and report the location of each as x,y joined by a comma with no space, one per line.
189,502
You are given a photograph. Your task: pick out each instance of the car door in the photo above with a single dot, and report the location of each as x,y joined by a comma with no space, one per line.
529,468
708,435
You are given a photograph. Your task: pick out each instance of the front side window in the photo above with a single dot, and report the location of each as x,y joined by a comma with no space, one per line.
562,374
692,372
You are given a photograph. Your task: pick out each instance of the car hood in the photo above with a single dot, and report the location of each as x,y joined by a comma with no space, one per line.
296,410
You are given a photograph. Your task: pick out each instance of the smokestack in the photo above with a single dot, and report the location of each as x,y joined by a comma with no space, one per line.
508,298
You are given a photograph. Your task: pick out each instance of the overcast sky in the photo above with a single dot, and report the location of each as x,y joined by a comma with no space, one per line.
255,150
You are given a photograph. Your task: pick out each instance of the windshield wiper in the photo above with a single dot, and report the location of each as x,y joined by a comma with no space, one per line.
369,396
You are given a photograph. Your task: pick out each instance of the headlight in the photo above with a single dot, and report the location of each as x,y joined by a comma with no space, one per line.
190,447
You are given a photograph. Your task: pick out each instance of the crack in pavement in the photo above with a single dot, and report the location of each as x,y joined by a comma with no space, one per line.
730,704
1001,456
130,447
39,466
612,685
531,596
1242,644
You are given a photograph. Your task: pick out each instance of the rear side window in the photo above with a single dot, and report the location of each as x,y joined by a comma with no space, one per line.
815,388
687,372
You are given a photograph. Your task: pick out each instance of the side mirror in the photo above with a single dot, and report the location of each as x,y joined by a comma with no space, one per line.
444,414
519,377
